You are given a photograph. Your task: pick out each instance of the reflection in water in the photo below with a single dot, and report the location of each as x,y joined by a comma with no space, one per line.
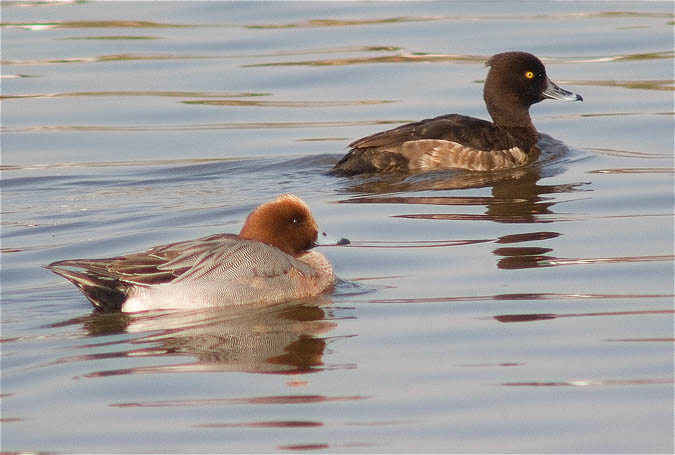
659,84
515,192
547,316
256,400
294,103
521,297
265,424
124,93
194,127
104,58
397,58
404,56
88,24
522,258
286,338
517,197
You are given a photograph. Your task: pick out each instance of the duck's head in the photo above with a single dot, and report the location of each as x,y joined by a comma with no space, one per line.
516,81
286,223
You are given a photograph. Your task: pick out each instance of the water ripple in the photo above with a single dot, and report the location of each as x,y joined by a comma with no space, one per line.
105,58
197,127
548,316
312,103
520,297
258,400
123,93
591,382
529,258
642,170
421,57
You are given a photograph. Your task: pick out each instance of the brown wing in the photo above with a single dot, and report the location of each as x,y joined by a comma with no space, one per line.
468,131
445,142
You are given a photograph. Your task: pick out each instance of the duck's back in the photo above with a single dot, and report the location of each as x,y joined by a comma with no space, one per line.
448,141
470,131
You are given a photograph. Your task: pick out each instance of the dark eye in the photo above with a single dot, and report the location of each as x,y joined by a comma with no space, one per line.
297,220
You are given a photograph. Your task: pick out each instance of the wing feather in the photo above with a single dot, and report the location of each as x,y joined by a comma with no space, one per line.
223,257
468,131
447,142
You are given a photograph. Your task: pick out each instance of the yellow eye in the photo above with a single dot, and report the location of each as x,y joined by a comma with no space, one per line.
529,75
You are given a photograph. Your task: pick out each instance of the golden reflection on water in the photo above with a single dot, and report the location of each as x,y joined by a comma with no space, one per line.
398,58
123,93
423,57
341,23
394,20
199,127
105,58
110,37
313,103
88,24
661,84
396,55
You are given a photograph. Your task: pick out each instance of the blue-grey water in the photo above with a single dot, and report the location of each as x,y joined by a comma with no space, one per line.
519,311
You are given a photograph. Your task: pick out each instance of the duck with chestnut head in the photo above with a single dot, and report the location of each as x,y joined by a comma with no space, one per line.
270,260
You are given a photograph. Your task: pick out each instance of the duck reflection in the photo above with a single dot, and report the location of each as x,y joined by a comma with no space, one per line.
523,257
517,196
283,338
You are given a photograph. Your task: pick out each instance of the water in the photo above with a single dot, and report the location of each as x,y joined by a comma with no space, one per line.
520,311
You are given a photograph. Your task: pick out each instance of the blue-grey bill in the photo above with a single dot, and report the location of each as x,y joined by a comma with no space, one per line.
557,93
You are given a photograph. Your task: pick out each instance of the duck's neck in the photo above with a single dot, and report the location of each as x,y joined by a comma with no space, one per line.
516,121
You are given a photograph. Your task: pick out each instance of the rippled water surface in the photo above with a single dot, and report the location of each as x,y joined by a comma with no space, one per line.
518,311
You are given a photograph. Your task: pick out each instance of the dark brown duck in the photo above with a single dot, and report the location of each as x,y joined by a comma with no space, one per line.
516,81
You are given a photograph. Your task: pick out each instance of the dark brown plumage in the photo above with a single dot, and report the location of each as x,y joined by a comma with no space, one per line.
516,80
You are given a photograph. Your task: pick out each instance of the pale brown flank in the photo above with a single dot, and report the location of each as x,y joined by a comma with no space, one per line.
439,154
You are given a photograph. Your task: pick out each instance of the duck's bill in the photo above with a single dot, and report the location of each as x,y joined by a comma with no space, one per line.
328,240
556,93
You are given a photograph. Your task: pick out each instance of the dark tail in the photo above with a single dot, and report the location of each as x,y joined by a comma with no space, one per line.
106,293
366,161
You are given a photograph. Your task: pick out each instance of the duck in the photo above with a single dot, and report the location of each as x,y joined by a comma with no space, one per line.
515,81
268,261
